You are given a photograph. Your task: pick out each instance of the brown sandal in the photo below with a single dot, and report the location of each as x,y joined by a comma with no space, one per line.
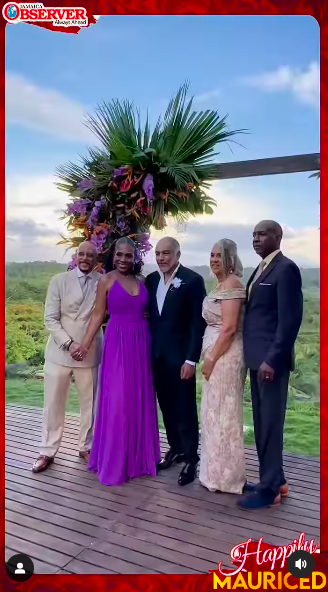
42,463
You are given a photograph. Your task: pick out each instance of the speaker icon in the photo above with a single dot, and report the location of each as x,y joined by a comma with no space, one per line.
301,564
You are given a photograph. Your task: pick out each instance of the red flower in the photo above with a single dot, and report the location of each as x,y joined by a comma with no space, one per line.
125,185
139,203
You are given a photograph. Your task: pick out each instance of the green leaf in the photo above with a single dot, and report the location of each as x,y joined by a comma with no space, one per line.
178,152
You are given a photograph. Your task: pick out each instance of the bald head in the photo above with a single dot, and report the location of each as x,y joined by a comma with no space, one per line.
168,242
270,226
167,255
86,256
267,237
87,245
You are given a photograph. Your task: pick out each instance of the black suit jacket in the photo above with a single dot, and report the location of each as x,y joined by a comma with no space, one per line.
273,315
177,333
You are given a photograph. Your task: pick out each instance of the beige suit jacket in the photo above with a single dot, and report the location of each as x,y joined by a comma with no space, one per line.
66,316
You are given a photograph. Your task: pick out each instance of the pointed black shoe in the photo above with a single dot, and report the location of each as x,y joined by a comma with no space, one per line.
170,459
188,474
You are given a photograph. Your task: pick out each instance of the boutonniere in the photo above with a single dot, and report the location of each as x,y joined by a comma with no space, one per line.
176,283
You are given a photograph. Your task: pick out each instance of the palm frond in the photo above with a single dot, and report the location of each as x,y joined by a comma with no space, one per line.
139,177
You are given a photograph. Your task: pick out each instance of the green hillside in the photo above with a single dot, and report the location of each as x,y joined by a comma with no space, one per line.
26,286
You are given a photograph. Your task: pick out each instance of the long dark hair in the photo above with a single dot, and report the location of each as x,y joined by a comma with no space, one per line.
124,240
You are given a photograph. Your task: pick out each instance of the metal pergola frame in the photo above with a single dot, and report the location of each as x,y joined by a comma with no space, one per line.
301,163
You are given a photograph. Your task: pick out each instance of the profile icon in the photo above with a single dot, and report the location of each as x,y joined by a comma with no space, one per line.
20,568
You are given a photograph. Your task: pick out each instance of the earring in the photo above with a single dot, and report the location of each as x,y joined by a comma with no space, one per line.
231,271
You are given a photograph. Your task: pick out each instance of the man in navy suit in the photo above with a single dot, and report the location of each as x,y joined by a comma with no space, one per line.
273,318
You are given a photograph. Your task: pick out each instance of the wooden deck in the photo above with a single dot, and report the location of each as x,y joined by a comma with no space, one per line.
69,523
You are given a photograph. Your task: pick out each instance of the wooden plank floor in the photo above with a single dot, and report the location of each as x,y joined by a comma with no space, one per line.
67,522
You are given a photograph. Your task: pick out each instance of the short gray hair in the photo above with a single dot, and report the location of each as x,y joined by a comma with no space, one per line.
125,240
229,257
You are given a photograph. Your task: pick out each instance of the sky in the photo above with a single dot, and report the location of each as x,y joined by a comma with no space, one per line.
261,71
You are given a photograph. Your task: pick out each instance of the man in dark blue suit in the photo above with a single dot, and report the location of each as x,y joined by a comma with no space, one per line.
273,318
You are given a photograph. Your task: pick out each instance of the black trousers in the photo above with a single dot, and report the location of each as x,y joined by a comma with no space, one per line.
177,401
269,401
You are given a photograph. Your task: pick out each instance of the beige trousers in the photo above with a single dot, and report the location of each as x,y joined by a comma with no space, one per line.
57,381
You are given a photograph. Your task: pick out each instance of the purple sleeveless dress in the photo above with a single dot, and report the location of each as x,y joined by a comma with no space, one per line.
126,438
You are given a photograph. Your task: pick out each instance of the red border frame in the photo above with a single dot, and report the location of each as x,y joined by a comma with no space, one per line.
319,10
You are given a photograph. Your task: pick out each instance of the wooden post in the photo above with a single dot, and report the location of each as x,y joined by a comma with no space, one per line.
302,163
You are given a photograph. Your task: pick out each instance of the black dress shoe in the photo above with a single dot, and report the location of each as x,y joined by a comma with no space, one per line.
188,474
169,459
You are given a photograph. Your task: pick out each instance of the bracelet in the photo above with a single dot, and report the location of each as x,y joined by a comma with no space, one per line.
210,358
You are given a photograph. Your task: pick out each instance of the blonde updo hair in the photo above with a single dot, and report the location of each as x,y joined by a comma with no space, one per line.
229,257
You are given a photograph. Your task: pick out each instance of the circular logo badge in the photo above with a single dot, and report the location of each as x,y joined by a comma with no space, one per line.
20,568
301,564
10,12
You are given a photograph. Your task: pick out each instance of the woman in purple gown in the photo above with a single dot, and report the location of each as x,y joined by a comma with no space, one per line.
126,438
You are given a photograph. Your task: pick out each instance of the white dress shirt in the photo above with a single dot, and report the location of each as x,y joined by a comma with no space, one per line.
162,290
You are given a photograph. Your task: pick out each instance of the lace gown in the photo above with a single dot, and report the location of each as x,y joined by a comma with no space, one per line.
222,465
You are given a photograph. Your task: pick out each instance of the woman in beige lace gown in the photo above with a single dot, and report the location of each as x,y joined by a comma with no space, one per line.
222,465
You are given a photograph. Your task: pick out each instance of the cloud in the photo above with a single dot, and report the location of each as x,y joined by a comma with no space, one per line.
34,205
303,84
302,245
33,209
207,96
27,230
235,217
45,110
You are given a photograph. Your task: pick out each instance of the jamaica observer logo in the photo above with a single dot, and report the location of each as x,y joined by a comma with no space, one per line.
60,17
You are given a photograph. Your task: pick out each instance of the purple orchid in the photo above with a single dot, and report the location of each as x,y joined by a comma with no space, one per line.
79,206
85,184
72,264
119,172
137,256
148,187
145,246
122,225
93,219
99,239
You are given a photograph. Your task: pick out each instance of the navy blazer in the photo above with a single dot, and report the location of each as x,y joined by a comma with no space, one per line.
177,333
273,315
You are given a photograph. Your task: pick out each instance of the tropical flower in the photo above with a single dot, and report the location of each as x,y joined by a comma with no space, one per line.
79,206
125,185
72,264
142,176
119,172
85,184
148,187
137,256
94,216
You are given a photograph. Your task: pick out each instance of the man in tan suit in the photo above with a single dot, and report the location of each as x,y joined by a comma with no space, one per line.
69,304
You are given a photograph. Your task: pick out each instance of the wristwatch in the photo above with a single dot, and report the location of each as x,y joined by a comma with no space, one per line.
68,344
